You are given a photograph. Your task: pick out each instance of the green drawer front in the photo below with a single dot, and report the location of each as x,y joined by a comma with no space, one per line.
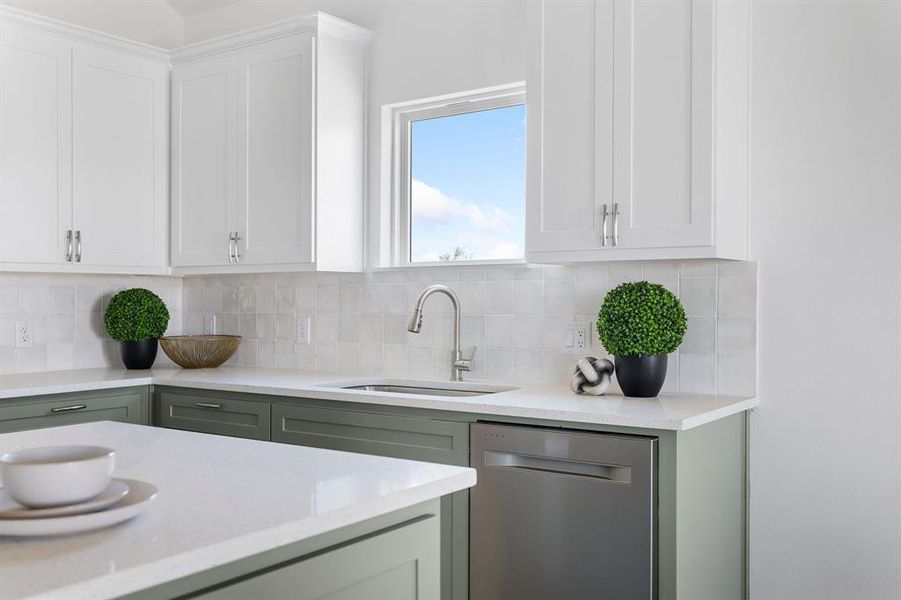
128,405
213,414
400,564
372,433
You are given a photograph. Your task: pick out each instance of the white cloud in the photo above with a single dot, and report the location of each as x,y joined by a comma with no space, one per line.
430,203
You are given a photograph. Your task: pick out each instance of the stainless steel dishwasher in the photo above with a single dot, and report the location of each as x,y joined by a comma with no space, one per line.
562,514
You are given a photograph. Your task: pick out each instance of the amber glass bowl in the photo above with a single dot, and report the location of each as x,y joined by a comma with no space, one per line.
200,351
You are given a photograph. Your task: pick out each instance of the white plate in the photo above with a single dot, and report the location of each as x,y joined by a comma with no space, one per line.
139,496
10,509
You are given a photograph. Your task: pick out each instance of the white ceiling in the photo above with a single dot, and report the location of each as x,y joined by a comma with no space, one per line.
190,8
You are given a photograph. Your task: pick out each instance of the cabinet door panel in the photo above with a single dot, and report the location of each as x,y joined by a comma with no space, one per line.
120,158
220,415
570,124
275,203
401,564
130,405
35,146
662,125
204,161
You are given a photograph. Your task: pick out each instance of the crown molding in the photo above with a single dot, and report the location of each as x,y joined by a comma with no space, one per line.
77,33
317,22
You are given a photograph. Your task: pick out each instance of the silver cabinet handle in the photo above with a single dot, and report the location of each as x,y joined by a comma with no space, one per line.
78,245
237,255
231,255
615,224
604,214
207,405
68,245
60,409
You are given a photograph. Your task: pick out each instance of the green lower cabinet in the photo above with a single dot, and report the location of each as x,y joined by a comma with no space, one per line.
209,412
400,564
127,405
395,436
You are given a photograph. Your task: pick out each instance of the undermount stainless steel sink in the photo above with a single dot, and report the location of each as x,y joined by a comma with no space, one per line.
422,388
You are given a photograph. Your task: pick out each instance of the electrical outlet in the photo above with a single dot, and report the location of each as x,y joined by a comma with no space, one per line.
24,334
303,330
577,338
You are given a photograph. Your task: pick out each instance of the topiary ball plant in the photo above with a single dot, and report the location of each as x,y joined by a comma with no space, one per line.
136,318
640,323
641,318
136,314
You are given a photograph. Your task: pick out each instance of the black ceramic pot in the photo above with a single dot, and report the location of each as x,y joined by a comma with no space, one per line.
641,376
139,354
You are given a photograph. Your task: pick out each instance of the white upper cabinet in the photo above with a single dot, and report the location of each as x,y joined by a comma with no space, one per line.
638,130
275,145
267,149
83,150
120,159
35,146
204,167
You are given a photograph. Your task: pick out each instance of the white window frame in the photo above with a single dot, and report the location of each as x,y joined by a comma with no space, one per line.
401,117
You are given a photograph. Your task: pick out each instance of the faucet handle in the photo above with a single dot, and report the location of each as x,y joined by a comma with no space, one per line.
465,364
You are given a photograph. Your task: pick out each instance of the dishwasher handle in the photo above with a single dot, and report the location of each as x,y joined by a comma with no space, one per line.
559,466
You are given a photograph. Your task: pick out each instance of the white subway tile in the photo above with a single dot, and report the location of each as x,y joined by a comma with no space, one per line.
266,354
698,296
700,336
697,373
736,375
737,296
499,331
60,357
528,297
559,297
499,297
736,336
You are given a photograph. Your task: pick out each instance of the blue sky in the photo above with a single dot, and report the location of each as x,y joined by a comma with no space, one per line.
468,184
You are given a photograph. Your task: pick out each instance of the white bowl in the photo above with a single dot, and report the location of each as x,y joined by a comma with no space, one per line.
56,475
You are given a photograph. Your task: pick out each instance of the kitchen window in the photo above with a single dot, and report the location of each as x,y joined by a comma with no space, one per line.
459,179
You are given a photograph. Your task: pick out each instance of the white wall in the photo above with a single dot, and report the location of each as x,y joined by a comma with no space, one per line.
153,22
826,231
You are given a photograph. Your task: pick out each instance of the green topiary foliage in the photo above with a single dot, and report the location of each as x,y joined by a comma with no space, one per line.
641,318
136,314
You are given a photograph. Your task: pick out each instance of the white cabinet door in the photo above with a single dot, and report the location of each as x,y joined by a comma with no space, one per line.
570,121
120,158
204,161
35,146
275,144
663,118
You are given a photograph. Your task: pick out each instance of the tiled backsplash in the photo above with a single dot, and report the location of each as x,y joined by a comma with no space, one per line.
515,316
65,315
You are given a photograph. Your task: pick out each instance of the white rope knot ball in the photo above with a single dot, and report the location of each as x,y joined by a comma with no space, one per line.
591,376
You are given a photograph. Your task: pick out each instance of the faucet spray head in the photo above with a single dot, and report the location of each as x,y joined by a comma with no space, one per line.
415,324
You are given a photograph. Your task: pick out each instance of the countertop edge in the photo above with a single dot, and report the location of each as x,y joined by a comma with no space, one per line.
318,391
185,564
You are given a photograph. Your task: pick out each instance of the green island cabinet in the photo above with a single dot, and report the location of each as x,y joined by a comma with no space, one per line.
394,556
701,549
128,405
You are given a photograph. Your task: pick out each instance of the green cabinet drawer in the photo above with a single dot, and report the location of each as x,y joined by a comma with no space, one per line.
212,414
397,437
372,433
400,564
128,405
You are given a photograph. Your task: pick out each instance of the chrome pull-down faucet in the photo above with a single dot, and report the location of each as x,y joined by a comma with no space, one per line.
459,363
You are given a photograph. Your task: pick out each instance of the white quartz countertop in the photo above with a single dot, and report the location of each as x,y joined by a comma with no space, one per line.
551,402
221,499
